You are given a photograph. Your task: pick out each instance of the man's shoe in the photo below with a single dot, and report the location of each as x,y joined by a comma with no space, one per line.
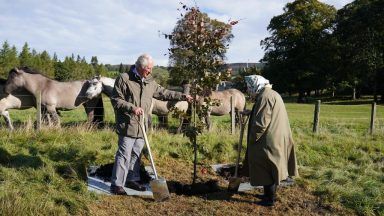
117,190
135,186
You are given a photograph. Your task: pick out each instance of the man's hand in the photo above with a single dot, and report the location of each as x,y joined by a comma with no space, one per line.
138,111
246,112
189,98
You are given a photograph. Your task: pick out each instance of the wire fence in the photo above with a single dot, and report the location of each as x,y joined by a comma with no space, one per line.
332,118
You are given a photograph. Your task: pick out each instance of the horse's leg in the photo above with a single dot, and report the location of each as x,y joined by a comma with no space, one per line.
237,118
45,117
149,119
166,121
208,121
180,125
95,111
163,121
7,119
98,117
55,117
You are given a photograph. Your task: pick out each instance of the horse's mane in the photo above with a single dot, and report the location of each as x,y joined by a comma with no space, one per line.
30,70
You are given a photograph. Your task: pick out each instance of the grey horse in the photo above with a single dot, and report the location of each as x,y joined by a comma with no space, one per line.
224,99
19,99
56,95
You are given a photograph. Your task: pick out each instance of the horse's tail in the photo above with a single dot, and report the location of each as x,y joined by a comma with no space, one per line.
99,113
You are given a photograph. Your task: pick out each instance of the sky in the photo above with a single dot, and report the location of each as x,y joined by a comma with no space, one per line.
118,31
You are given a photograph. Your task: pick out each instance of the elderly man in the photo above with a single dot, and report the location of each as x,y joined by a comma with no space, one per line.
270,149
132,98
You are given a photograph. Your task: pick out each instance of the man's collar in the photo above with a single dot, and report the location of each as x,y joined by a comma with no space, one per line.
138,75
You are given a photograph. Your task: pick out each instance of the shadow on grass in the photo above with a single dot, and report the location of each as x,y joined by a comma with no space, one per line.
19,160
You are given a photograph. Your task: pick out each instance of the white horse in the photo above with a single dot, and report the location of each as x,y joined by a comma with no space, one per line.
158,107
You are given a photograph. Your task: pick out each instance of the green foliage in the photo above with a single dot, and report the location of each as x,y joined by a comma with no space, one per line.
359,31
69,69
238,80
8,59
161,76
299,53
25,56
198,47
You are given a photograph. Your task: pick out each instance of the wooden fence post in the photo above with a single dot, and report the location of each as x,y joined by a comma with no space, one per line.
232,116
373,116
316,116
38,113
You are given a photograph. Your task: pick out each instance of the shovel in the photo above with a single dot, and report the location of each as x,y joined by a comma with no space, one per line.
158,185
234,182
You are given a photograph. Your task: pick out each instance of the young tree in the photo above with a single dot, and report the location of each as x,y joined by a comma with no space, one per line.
198,48
197,52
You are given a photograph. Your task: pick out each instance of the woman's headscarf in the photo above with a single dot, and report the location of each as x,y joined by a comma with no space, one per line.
255,83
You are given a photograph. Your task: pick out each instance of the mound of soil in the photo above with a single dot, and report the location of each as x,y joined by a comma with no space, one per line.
228,171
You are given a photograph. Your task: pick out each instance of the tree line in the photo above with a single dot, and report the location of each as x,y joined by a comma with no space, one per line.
71,68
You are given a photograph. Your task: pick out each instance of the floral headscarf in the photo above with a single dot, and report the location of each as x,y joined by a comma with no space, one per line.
255,83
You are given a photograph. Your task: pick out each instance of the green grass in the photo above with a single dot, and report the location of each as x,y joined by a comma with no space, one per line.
41,172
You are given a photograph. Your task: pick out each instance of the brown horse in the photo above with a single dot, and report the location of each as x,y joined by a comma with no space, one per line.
55,94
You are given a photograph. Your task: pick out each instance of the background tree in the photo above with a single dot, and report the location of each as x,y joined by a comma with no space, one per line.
296,56
197,52
161,76
25,56
360,34
62,73
238,80
121,68
46,64
8,59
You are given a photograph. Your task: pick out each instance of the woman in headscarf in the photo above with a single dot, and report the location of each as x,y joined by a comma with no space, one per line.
270,149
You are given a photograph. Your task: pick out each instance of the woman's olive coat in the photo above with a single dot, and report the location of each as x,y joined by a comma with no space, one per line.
270,149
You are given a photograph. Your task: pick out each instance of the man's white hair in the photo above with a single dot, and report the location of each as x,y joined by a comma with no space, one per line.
143,61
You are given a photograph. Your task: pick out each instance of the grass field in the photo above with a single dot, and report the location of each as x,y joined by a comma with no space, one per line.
341,167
